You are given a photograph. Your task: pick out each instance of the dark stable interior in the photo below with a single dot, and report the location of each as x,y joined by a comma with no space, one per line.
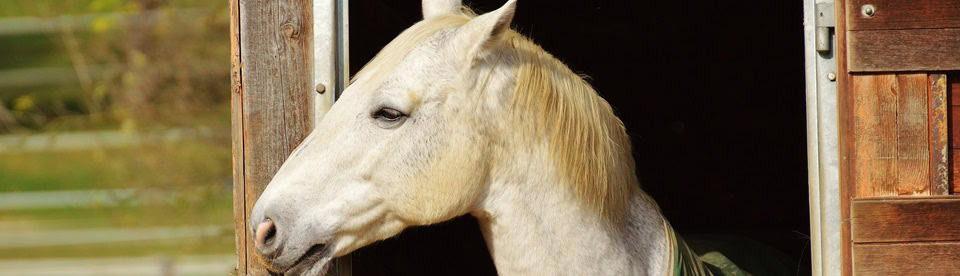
711,92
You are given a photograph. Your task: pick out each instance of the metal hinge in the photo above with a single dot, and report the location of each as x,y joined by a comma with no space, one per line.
825,25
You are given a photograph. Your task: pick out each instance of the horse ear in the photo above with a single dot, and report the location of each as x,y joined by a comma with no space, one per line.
483,32
433,8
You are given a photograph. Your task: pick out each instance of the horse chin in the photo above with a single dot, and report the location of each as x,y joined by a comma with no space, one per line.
315,261
317,268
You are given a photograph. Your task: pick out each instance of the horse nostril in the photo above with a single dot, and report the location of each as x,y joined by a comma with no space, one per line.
265,232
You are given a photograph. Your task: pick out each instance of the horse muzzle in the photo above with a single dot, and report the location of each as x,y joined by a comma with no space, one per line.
282,253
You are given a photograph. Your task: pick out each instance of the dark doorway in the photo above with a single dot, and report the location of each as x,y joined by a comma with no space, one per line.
712,94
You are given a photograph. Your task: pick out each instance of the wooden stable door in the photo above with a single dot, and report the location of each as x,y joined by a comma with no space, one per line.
899,129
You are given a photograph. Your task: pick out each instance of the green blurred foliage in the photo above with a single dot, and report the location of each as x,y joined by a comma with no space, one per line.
129,65
134,66
135,63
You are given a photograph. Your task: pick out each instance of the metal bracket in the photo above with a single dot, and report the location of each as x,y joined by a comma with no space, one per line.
825,24
330,53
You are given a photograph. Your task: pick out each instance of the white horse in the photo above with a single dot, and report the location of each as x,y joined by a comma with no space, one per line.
461,115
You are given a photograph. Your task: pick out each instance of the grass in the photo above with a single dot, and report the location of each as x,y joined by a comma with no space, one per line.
190,178
190,164
222,244
53,171
216,211
32,50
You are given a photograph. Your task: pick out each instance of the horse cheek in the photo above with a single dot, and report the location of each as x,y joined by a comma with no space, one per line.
450,185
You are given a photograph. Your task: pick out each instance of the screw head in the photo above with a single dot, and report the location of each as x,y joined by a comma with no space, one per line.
868,10
832,76
321,88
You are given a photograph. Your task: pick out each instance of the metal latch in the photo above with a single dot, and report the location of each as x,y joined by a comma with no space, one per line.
825,24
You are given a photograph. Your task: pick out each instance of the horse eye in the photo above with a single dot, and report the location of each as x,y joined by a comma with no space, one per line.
388,114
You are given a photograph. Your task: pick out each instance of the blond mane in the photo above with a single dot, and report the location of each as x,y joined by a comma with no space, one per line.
586,139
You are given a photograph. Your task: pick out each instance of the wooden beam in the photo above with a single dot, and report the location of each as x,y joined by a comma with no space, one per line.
273,100
952,86
955,170
954,129
236,123
953,80
846,133
903,14
905,220
936,258
903,50
953,90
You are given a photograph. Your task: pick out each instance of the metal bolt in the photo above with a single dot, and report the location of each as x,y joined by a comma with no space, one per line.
832,76
868,10
321,88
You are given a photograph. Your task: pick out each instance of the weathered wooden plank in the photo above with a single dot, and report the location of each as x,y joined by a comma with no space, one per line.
905,220
274,41
955,170
954,129
953,87
875,139
264,140
903,14
937,258
913,159
236,126
892,153
953,80
903,50
846,132
295,36
938,123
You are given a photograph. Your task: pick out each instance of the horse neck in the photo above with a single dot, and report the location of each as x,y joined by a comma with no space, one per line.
533,226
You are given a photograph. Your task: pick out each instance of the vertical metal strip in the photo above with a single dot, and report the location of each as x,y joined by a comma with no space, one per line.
829,140
325,55
342,69
813,144
822,142
331,70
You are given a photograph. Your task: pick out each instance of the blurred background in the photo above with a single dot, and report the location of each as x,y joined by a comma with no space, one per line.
114,138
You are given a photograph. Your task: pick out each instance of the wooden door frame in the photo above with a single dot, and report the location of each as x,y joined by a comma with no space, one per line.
288,63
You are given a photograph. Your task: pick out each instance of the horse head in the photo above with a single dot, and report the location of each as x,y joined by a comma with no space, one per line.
410,142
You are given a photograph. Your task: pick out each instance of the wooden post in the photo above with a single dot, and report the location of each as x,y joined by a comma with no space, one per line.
272,100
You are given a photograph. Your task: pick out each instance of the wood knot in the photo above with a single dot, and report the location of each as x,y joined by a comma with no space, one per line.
290,31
